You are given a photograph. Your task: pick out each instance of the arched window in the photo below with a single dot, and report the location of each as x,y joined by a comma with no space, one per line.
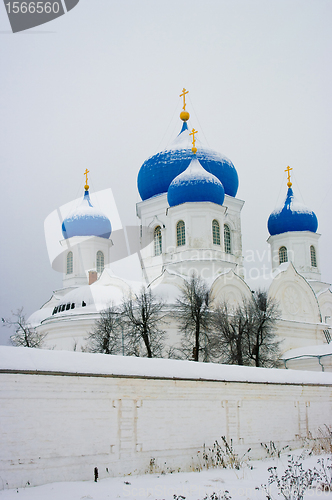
283,257
216,232
157,241
227,239
100,262
69,263
313,256
180,233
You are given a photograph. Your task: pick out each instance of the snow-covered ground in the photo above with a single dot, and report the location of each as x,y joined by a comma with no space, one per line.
241,485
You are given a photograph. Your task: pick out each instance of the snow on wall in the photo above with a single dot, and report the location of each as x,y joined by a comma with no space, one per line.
64,413
39,360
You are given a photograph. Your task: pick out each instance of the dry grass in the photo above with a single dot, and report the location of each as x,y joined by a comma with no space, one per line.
320,444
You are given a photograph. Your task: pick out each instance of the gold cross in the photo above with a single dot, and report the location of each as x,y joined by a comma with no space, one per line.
184,92
288,169
86,187
193,132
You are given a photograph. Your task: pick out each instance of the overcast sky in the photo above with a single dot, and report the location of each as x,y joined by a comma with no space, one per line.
99,87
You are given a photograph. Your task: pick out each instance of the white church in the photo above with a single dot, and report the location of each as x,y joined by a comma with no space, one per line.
190,220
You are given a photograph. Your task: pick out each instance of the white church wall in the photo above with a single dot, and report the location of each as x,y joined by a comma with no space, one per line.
297,300
84,251
233,220
65,413
199,252
293,335
231,288
71,335
325,303
152,213
298,245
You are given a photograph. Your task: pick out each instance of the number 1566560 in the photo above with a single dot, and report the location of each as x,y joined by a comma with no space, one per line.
32,7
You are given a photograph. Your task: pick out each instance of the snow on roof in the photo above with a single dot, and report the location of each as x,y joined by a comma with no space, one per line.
167,292
20,359
264,280
38,316
309,351
325,289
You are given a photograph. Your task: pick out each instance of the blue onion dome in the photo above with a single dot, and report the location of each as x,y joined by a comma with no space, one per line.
292,216
158,171
86,220
195,184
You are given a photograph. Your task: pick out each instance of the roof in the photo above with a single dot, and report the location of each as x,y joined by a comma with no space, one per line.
195,184
292,216
158,171
86,220
313,351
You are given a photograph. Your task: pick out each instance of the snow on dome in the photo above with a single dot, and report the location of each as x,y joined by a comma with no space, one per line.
292,216
158,171
86,220
195,184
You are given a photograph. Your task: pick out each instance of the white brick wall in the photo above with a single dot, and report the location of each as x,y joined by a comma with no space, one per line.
58,427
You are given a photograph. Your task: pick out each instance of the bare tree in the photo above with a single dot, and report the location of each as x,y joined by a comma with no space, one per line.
263,345
25,335
231,328
106,335
246,334
141,319
193,312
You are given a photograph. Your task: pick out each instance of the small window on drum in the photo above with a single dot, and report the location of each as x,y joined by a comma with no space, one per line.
157,238
69,269
180,233
100,262
227,239
313,256
216,232
283,257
